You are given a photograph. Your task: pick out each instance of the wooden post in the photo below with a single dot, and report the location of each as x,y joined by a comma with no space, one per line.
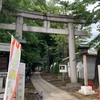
63,77
19,27
85,70
73,71
2,76
21,83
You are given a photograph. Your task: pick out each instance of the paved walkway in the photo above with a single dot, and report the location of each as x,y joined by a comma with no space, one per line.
50,92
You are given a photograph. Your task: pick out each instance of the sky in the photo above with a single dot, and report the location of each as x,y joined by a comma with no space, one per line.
94,26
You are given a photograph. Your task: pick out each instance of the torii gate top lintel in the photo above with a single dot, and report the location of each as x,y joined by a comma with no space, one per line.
48,17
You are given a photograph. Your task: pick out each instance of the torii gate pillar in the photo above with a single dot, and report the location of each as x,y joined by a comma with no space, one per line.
19,27
72,61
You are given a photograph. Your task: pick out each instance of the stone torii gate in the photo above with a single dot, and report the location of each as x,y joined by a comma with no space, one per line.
47,18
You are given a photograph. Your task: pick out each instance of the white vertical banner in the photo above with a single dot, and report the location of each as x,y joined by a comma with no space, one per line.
13,69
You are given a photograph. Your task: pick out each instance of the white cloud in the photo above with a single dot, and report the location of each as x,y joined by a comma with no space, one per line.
68,0
65,0
91,6
94,30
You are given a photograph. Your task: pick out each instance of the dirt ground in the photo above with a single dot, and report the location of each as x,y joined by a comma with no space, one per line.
30,91
57,81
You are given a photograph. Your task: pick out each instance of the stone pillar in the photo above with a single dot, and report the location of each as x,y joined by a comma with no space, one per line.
99,73
1,82
73,71
99,81
21,83
19,27
85,70
86,90
47,24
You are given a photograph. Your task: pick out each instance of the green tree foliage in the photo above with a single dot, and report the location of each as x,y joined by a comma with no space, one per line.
5,36
56,69
11,4
33,5
31,51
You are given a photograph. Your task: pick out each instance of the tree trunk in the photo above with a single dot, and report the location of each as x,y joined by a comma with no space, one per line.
96,80
0,5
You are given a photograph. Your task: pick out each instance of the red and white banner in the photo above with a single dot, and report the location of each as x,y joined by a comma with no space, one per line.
13,69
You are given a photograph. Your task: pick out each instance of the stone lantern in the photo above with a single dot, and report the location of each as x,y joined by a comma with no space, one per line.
84,50
86,90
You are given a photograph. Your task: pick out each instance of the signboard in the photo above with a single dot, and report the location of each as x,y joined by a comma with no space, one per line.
13,70
62,68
